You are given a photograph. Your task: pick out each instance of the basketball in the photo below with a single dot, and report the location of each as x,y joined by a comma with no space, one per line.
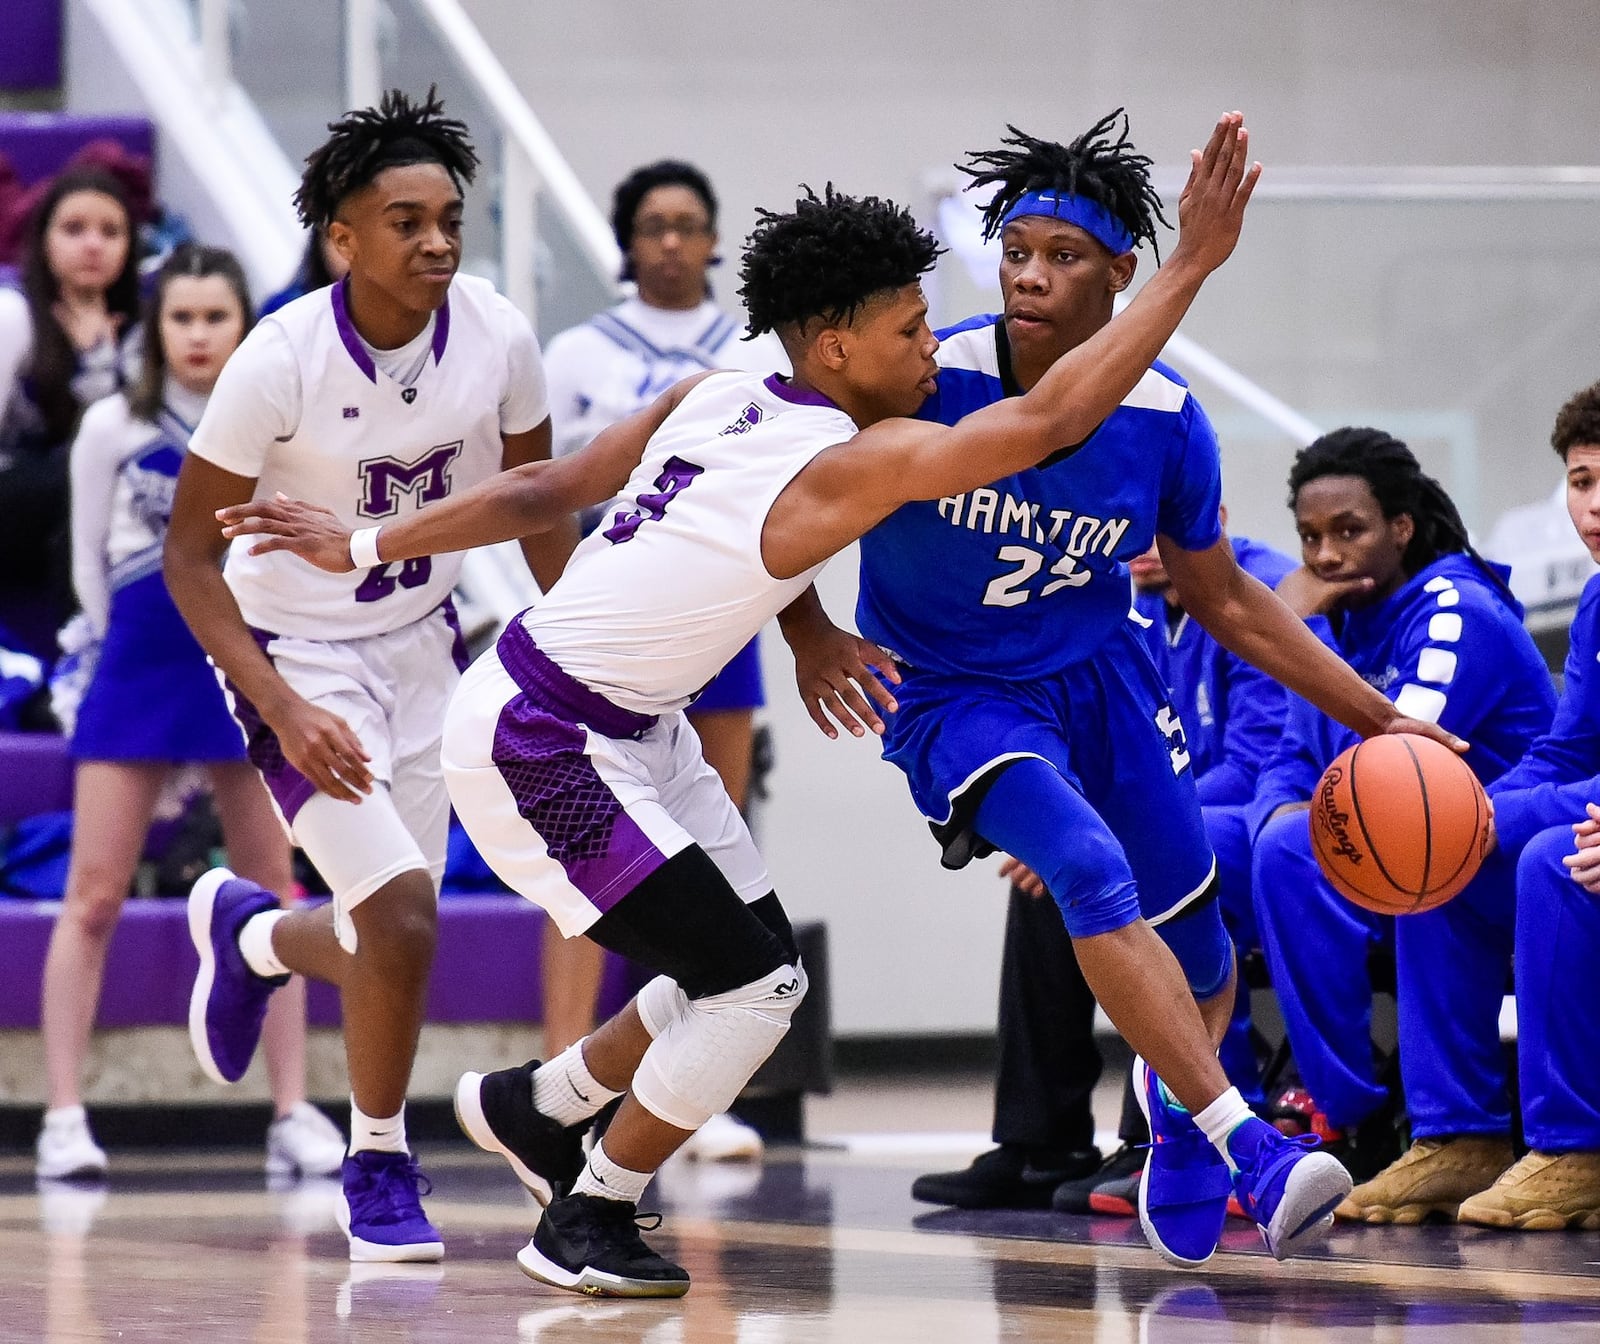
1399,824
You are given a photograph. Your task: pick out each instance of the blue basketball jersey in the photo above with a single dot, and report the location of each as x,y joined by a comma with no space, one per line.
1029,573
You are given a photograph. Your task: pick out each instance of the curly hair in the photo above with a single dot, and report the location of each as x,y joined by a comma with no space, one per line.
365,142
827,257
638,184
1107,171
1400,486
1578,422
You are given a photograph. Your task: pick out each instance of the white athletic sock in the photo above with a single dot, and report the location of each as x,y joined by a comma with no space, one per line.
566,1091
604,1179
1218,1121
255,944
371,1135
64,1117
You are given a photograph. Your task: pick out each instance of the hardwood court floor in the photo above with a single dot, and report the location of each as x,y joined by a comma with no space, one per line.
814,1246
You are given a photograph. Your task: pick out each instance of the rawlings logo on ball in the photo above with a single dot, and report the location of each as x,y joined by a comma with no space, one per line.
1336,822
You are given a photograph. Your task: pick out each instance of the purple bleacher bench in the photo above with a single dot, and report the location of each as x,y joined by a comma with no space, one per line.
38,144
30,54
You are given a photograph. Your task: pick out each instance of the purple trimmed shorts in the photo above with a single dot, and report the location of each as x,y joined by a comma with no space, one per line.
572,801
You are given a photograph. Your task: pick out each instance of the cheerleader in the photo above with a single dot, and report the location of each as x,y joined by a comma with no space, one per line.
153,703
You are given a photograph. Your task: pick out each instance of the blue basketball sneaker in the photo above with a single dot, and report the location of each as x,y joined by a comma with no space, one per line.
381,1209
1184,1189
229,1000
1286,1186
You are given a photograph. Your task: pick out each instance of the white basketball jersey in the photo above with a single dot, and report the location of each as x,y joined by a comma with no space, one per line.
373,451
671,585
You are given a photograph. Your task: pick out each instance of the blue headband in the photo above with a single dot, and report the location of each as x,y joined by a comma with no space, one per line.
1090,216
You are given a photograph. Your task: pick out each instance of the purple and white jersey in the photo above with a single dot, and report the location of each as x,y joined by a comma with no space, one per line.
671,584
306,407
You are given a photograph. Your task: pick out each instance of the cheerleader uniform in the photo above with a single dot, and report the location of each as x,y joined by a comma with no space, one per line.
153,695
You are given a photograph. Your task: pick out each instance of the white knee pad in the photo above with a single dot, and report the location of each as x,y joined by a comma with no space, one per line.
696,1067
659,1003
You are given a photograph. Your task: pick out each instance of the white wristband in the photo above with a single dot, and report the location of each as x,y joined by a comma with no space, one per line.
364,548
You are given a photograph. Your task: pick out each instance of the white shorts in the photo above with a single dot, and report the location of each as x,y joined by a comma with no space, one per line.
566,814
393,690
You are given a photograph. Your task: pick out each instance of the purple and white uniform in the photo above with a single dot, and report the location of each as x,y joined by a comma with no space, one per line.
306,407
566,751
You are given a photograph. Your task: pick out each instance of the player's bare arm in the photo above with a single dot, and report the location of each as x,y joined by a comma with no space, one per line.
1249,620
548,551
856,484
528,500
320,745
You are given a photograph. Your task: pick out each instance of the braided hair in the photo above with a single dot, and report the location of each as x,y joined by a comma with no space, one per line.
1400,486
827,257
365,142
1101,165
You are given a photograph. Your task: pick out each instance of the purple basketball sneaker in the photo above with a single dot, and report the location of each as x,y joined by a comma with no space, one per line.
1184,1189
229,1000
1285,1186
380,1209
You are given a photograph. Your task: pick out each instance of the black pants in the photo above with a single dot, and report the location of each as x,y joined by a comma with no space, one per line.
1049,1061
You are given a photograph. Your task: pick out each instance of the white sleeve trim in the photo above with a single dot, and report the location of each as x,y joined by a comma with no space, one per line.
1449,597
1421,702
1445,628
1437,666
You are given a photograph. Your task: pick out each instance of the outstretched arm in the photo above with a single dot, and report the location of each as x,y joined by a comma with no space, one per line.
528,499
854,485
1246,618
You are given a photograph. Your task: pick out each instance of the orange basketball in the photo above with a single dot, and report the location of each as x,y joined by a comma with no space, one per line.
1399,824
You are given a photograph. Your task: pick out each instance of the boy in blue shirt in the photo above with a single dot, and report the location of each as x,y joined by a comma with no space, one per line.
1439,633
1547,820
1030,716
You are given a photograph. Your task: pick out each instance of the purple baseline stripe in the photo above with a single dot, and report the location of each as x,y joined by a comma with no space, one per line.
540,755
785,390
458,646
563,695
347,331
289,788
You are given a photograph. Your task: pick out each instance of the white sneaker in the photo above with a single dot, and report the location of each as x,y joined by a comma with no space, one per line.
723,1139
304,1143
66,1150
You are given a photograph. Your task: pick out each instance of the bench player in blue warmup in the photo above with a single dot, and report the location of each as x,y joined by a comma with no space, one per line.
1030,717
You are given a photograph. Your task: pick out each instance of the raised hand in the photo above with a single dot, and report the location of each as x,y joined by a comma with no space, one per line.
308,530
1211,209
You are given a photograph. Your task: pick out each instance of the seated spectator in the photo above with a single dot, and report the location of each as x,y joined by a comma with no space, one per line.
153,703
64,343
664,216
320,265
1232,716
1419,614
1547,822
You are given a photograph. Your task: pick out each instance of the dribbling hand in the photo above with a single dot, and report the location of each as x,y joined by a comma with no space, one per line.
310,531
1211,209
1422,728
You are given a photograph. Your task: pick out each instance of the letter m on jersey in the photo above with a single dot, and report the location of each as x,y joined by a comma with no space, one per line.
385,479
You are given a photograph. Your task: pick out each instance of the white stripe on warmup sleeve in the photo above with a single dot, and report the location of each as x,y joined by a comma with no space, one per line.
1434,665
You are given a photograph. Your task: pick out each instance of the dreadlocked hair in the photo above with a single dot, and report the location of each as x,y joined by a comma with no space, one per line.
827,257
365,142
1105,170
1400,485
1578,422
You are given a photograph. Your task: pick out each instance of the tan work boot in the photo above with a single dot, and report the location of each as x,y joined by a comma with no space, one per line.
1544,1192
1431,1176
